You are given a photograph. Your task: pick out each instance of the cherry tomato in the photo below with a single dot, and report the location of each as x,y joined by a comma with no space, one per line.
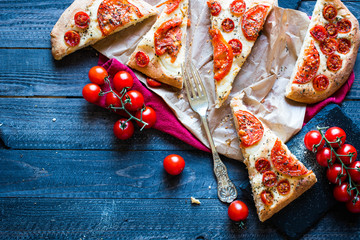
112,99
153,83
72,38
123,129
313,138
319,33
262,165
148,116
142,59
97,75
174,164
267,197
251,129
238,211
283,187
341,194
324,155
269,178
123,80
354,171
228,25
333,134
329,12
354,207
344,25
136,98
215,7
347,149
336,172
91,92
237,7
82,20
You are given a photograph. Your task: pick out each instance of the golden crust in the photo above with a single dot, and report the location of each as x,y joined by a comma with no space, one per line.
66,23
305,93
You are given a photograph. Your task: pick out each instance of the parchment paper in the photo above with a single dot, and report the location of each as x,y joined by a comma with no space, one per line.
263,77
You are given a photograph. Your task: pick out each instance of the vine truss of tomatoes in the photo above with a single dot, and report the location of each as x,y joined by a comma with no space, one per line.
120,98
340,159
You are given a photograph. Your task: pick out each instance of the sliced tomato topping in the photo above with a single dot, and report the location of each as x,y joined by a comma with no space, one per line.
328,46
72,38
267,197
215,7
167,38
343,26
283,187
319,33
237,7
115,13
310,66
262,165
82,20
329,12
250,128
142,59
344,45
253,21
320,83
236,46
153,83
171,5
269,178
285,163
334,62
227,25
223,55
331,30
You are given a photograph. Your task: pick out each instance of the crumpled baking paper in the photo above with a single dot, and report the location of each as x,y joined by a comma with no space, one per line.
263,77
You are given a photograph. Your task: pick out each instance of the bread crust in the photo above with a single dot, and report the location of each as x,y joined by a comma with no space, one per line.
305,93
66,22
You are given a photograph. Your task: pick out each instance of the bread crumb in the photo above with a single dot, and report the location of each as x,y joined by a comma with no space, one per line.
195,201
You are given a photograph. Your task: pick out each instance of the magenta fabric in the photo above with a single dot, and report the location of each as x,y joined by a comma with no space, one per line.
166,120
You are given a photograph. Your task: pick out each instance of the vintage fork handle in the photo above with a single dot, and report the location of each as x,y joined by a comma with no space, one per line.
226,189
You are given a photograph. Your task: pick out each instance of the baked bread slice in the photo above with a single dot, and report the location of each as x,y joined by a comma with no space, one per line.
235,26
85,22
276,176
328,53
161,51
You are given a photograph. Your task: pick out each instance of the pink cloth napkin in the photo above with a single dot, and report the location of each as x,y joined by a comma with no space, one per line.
165,118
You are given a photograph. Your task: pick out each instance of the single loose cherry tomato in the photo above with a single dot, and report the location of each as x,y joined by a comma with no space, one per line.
354,205
148,116
153,83
238,211
136,100
336,172
123,80
123,129
91,92
336,136
354,171
341,193
97,75
347,149
112,99
325,156
313,138
174,164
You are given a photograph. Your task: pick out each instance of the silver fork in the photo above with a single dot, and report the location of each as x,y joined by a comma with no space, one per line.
198,100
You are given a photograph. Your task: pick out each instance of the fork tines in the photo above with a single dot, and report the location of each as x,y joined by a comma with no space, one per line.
191,79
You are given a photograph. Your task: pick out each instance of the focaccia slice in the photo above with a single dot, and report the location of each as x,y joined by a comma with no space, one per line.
85,22
161,51
328,53
276,176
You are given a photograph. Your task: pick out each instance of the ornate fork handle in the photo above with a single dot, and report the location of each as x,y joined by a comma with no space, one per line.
226,189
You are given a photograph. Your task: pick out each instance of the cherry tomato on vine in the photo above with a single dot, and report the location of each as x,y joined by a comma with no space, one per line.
354,207
91,92
97,75
148,116
174,164
238,211
153,83
137,100
324,155
112,99
336,172
347,149
123,129
123,80
335,133
313,138
341,194
354,171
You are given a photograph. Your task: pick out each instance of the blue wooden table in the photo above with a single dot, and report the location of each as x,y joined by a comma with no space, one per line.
63,174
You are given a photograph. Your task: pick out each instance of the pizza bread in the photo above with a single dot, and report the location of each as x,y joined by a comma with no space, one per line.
328,53
85,22
276,176
161,51
235,26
